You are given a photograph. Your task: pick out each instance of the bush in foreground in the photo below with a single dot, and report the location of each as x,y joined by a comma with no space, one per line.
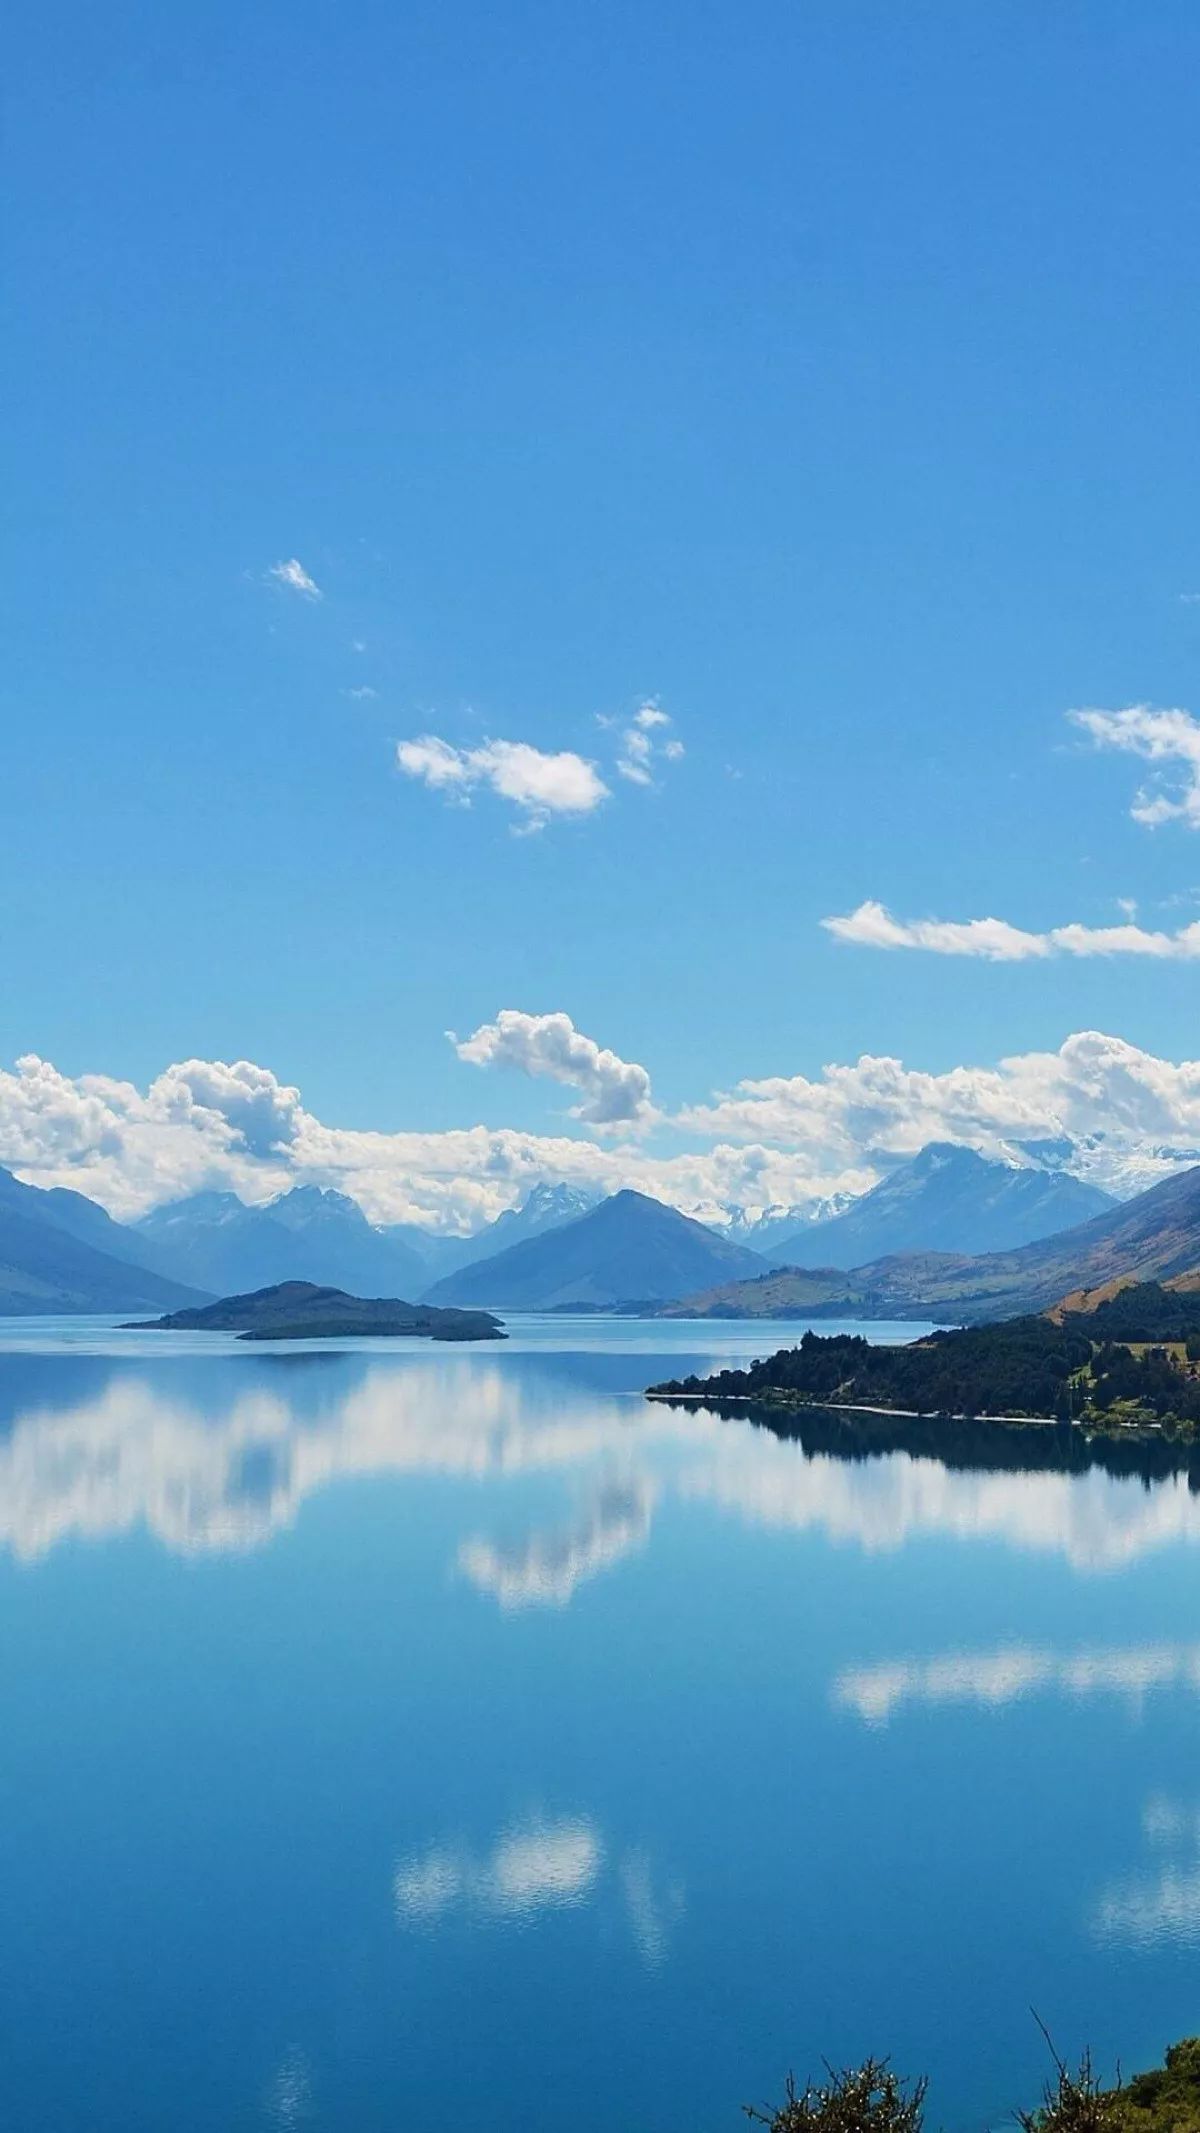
1073,2103
863,2099
871,2099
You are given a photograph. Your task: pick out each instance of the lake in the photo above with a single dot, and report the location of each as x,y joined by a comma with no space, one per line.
399,1737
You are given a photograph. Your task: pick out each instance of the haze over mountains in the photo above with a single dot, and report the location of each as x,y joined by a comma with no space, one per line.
547,1207
950,1232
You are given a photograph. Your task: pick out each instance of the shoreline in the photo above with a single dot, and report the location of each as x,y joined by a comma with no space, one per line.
855,1407
1075,1423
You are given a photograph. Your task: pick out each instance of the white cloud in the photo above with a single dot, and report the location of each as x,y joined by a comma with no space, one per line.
640,749
539,785
616,1091
637,750
262,1115
296,578
784,1140
1120,1101
362,694
873,926
1170,736
132,1149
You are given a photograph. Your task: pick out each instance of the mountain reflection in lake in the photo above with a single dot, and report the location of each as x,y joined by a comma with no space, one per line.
389,1727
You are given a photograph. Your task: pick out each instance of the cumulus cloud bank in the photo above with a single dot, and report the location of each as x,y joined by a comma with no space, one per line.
1093,1085
1158,737
873,926
616,1091
781,1141
538,785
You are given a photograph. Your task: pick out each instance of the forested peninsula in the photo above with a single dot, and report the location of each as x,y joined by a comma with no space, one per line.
1132,1363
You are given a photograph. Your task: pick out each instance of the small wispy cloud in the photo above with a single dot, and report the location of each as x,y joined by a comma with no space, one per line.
994,940
538,784
294,576
641,746
1168,736
363,693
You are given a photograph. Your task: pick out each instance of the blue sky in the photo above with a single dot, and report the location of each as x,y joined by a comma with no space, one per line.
823,377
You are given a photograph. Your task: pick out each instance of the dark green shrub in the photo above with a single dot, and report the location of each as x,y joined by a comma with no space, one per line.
861,2099
1073,2102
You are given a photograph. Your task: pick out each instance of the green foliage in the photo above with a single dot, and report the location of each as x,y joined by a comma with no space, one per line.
862,2099
1021,1367
870,2099
1074,2102
1167,2100
1143,1311
1082,1370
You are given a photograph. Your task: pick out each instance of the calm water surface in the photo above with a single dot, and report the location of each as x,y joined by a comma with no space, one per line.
398,1737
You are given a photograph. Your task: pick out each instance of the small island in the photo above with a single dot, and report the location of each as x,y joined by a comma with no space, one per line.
302,1311
1124,1359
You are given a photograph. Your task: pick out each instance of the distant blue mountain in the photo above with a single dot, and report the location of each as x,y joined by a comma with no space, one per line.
215,1242
545,1208
60,1252
947,1199
629,1249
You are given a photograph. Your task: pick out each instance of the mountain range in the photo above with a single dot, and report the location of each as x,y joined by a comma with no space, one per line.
213,1241
545,1208
629,1249
946,1199
950,1232
1155,1237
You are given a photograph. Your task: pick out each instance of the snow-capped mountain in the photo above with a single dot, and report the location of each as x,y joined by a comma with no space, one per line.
949,1199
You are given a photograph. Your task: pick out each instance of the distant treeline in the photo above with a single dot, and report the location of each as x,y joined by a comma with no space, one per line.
1083,1369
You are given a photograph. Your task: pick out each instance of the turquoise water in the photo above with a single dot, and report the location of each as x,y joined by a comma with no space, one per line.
401,1738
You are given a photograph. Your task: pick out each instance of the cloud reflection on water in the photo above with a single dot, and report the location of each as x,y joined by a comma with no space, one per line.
995,1678
539,1866
1142,1910
220,1454
544,1569
533,1869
